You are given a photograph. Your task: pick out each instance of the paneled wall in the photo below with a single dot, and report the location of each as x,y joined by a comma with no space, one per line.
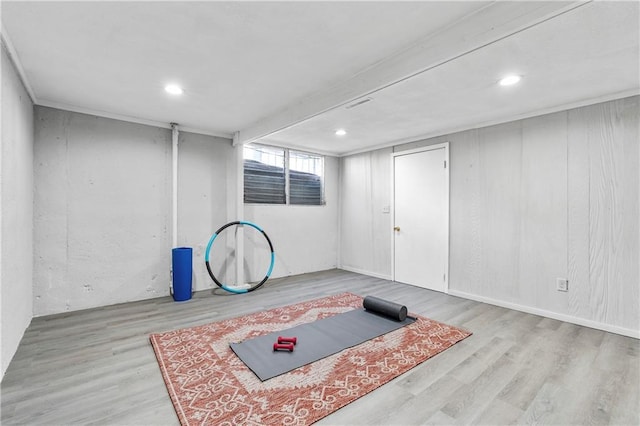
16,201
604,217
549,197
365,221
508,211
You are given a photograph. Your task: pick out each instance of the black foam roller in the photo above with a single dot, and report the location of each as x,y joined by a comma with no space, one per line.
386,308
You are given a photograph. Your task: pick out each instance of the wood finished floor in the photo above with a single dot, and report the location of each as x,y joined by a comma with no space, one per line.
98,367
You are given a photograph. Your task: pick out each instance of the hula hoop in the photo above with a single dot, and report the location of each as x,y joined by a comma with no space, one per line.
213,277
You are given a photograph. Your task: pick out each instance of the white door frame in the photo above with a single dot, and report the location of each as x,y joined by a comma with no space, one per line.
444,145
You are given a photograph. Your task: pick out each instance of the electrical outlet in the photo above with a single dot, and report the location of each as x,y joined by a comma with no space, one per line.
562,284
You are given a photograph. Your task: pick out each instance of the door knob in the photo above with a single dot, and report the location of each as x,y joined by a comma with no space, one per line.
396,228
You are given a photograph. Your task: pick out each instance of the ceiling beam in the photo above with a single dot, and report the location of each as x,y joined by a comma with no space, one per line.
6,43
487,25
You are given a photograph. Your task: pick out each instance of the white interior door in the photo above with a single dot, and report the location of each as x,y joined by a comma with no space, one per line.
421,217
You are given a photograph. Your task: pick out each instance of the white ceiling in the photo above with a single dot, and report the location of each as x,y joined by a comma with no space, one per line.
284,71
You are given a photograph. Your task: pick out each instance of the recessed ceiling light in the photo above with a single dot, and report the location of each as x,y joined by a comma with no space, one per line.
341,132
173,89
510,80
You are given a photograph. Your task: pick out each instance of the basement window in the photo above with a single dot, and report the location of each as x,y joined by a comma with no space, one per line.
282,176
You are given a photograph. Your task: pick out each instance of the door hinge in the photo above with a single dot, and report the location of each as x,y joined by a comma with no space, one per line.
444,277
445,164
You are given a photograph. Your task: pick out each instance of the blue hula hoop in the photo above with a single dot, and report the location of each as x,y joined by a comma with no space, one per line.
213,277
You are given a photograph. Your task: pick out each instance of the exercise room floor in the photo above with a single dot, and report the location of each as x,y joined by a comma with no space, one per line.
97,366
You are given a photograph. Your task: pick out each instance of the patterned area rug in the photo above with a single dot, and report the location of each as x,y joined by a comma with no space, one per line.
209,385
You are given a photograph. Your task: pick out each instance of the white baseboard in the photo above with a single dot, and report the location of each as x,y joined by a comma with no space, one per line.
549,314
363,272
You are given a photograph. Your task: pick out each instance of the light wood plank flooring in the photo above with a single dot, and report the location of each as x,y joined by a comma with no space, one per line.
97,366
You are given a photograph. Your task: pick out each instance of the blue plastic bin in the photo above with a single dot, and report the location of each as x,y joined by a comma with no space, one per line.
181,262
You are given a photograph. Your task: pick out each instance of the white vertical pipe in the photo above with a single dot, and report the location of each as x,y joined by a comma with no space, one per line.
174,202
239,165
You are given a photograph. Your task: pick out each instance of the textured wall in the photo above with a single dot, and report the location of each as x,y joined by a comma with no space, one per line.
549,197
102,205
103,208
203,165
16,202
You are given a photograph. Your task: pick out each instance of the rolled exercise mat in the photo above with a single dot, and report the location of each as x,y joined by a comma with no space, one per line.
181,267
315,340
385,307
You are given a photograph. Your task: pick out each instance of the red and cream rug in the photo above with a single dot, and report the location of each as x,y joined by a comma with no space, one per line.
209,385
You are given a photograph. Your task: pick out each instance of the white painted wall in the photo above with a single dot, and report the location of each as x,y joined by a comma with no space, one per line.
305,238
204,164
532,200
102,204
102,225
16,202
365,222
604,213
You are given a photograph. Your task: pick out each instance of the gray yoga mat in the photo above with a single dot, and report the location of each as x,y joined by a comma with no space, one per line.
319,339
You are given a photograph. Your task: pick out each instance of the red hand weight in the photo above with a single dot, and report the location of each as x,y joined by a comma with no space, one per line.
283,347
293,340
